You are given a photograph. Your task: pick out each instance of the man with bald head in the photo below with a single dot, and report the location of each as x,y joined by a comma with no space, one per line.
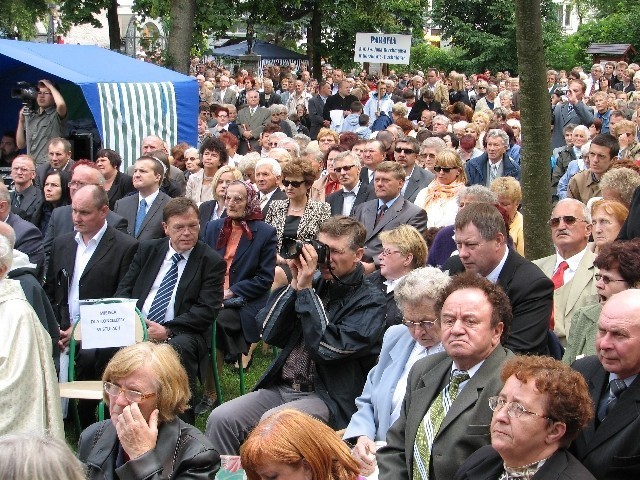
87,263
608,446
61,222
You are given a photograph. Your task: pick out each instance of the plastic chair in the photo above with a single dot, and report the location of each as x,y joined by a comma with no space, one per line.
90,389
214,366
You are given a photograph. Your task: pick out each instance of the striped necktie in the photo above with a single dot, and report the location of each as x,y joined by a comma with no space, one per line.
160,303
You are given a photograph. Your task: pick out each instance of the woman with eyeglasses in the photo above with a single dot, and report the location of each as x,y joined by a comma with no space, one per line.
607,218
216,208
540,410
117,184
509,195
403,345
618,266
298,216
438,199
146,389
328,181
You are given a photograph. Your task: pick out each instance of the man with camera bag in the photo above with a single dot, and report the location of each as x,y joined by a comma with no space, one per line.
36,126
328,326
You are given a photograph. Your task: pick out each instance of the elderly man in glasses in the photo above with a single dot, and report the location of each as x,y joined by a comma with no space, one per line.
571,268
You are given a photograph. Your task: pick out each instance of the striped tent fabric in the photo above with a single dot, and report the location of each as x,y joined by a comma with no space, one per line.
132,111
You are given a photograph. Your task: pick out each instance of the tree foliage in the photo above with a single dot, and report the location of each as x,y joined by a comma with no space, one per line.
485,29
18,17
425,55
79,12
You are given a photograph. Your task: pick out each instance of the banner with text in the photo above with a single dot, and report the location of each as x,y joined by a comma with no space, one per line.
108,322
382,48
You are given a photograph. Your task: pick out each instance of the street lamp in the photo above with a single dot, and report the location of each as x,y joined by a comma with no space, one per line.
53,15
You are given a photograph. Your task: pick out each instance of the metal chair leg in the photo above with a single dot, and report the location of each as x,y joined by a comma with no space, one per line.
241,373
214,363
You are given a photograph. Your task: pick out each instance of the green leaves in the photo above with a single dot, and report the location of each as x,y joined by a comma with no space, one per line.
18,17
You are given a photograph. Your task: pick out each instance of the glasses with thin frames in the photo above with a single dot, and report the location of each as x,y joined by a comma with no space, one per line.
568,220
132,396
606,279
425,324
514,409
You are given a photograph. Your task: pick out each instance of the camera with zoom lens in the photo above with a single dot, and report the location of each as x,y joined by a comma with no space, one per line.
27,94
292,248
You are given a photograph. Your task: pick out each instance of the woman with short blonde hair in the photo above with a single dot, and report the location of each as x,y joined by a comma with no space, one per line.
509,195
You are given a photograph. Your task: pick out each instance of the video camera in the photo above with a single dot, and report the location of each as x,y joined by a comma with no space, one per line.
292,248
27,94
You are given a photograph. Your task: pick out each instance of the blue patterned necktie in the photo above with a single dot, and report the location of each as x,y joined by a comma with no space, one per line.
160,302
430,425
616,387
142,212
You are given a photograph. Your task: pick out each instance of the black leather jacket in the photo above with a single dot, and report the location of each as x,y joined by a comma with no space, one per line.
182,451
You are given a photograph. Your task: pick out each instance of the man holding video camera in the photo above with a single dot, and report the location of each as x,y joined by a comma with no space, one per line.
329,327
37,127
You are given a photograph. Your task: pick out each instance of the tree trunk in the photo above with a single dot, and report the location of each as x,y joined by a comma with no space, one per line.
115,43
316,40
180,35
536,129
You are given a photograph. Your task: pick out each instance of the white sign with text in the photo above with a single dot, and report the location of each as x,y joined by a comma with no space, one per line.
108,322
382,48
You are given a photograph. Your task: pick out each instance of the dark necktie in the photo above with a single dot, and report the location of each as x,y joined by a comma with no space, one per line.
346,194
381,212
616,387
142,212
17,200
160,302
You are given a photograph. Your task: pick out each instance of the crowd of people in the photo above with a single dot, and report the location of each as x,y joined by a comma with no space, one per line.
369,228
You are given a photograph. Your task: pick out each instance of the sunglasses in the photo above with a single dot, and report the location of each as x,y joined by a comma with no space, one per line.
443,169
605,279
408,151
568,219
346,168
293,183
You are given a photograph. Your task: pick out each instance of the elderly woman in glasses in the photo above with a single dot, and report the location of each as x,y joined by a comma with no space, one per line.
618,266
146,387
537,414
403,345
438,199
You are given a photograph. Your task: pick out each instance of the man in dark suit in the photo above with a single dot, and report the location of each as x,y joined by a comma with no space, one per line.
28,237
373,154
251,120
449,391
61,222
494,163
417,178
179,286
608,446
631,227
268,175
87,264
26,199
59,152
316,109
143,211
342,100
481,238
387,211
344,202
572,111
269,97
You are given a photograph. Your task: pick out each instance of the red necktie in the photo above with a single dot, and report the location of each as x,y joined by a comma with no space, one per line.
558,281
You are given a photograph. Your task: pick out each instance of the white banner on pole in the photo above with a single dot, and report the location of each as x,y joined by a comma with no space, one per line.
382,48
108,322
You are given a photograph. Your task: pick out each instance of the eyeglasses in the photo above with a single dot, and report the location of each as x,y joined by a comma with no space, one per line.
193,159
568,219
345,168
514,409
425,324
21,169
293,183
229,199
387,251
76,183
408,151
131,395
606,279
443,169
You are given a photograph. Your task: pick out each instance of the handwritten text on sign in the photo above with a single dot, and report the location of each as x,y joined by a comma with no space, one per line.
108,324
382,48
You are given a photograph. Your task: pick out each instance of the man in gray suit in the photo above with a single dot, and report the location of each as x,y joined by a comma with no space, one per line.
416,177
26,199
224,94
144,210
445,414
252,119
389,210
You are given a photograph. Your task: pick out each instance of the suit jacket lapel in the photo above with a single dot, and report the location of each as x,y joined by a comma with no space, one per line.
155,206
580,281
151,270
389,215
244,243
106,242
189,273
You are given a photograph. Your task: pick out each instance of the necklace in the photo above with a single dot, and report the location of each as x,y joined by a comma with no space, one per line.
296,209
208,179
